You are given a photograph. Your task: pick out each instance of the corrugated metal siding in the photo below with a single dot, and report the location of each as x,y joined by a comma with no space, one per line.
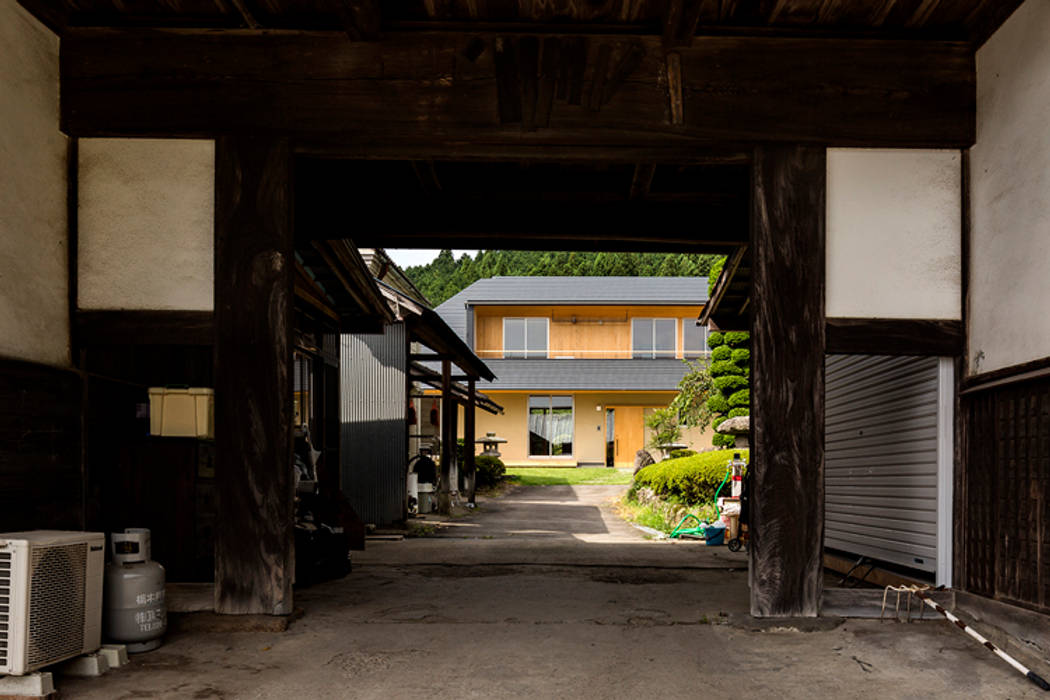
374,433
882,457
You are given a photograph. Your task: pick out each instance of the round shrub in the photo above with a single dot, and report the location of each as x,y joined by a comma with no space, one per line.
719,420
740,356
735,339
720,440
721,353
739,411
692,479
717,403
740,398
724,367
679,454
729,383
714,339
489,470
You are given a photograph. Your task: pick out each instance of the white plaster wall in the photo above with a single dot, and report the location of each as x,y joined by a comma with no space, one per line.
1009,314
894,246
34,307
146,222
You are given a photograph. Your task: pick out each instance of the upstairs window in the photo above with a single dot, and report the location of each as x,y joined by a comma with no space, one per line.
525,337
653,337
694,339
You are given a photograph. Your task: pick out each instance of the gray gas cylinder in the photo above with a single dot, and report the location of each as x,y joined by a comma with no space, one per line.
135,613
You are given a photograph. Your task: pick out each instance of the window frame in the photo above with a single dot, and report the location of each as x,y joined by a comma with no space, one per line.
672,354
528,354
705,351
550,409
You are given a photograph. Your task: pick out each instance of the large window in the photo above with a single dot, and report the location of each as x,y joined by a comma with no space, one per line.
653,337
525,337
694,339
550,426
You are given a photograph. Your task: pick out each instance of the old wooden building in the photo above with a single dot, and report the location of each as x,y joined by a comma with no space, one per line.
876,171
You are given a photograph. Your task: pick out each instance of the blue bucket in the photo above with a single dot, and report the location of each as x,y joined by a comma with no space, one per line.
715,534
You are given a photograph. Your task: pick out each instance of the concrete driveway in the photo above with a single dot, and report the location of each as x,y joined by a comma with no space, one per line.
547,594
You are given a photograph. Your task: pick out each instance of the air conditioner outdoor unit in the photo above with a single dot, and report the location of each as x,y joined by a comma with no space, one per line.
50,597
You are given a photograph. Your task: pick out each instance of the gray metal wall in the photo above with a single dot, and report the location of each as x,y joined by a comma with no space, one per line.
374,432
881,439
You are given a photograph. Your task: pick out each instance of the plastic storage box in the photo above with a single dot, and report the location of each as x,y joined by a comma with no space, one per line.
182,411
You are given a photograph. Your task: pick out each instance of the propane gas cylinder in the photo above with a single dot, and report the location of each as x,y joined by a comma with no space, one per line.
135,613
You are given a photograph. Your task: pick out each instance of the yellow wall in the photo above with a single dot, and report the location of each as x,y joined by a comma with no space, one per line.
588,332
589,435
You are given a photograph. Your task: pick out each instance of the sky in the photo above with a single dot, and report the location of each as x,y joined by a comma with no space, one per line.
407,257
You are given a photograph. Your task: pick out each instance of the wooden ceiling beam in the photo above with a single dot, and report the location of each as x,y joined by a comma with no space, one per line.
733,89
242,10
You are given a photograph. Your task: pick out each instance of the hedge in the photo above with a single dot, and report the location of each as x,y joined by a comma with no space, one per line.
736,338
719,369
720,440
721,353
740,399
689,479
489,470
729,383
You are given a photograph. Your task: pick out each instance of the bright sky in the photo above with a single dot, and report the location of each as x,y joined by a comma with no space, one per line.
407,257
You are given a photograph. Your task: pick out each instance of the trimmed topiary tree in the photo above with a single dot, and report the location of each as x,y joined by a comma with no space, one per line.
730,371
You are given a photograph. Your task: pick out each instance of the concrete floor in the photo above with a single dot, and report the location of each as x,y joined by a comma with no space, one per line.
547,594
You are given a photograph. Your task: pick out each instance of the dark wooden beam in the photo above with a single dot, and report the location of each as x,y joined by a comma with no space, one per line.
540,225
469,467
877,336
733,89
787,381
144,328
242,10
254,266
448,440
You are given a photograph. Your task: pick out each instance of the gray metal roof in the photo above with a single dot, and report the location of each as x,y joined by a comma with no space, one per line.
585,375
572,290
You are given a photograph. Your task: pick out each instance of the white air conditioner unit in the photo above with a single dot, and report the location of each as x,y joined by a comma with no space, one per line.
50,597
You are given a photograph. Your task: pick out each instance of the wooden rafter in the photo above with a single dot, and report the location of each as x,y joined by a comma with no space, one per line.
241,8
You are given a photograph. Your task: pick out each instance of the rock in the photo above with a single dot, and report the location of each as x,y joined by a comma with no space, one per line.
741,425
642,459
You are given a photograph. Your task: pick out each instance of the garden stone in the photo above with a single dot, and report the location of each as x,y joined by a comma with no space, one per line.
642,459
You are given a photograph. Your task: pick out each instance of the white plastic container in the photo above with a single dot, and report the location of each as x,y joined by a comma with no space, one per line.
182,412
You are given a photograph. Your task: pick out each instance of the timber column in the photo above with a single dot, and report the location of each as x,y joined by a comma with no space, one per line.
254,263
787,381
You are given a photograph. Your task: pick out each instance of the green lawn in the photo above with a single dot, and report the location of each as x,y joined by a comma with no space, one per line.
538,476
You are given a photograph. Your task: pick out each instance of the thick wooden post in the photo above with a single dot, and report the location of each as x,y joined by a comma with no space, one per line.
448,439
254,262
787,381
469,468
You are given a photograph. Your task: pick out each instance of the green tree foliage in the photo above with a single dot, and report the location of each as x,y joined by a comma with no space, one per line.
730,395
688,409
446,276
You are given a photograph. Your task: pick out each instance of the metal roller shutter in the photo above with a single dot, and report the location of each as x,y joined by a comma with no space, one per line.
888,445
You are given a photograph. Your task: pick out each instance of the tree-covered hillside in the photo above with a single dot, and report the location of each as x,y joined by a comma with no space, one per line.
446,276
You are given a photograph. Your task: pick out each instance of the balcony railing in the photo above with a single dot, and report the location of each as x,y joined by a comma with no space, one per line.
577,354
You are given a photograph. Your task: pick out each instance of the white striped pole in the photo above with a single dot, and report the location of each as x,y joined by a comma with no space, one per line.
1031,675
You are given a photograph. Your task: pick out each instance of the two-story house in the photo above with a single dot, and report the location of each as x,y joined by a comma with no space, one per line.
580,361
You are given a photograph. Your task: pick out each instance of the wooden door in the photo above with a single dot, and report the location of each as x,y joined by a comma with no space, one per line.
630,434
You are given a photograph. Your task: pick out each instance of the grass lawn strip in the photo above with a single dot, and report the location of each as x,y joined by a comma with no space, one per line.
582,476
